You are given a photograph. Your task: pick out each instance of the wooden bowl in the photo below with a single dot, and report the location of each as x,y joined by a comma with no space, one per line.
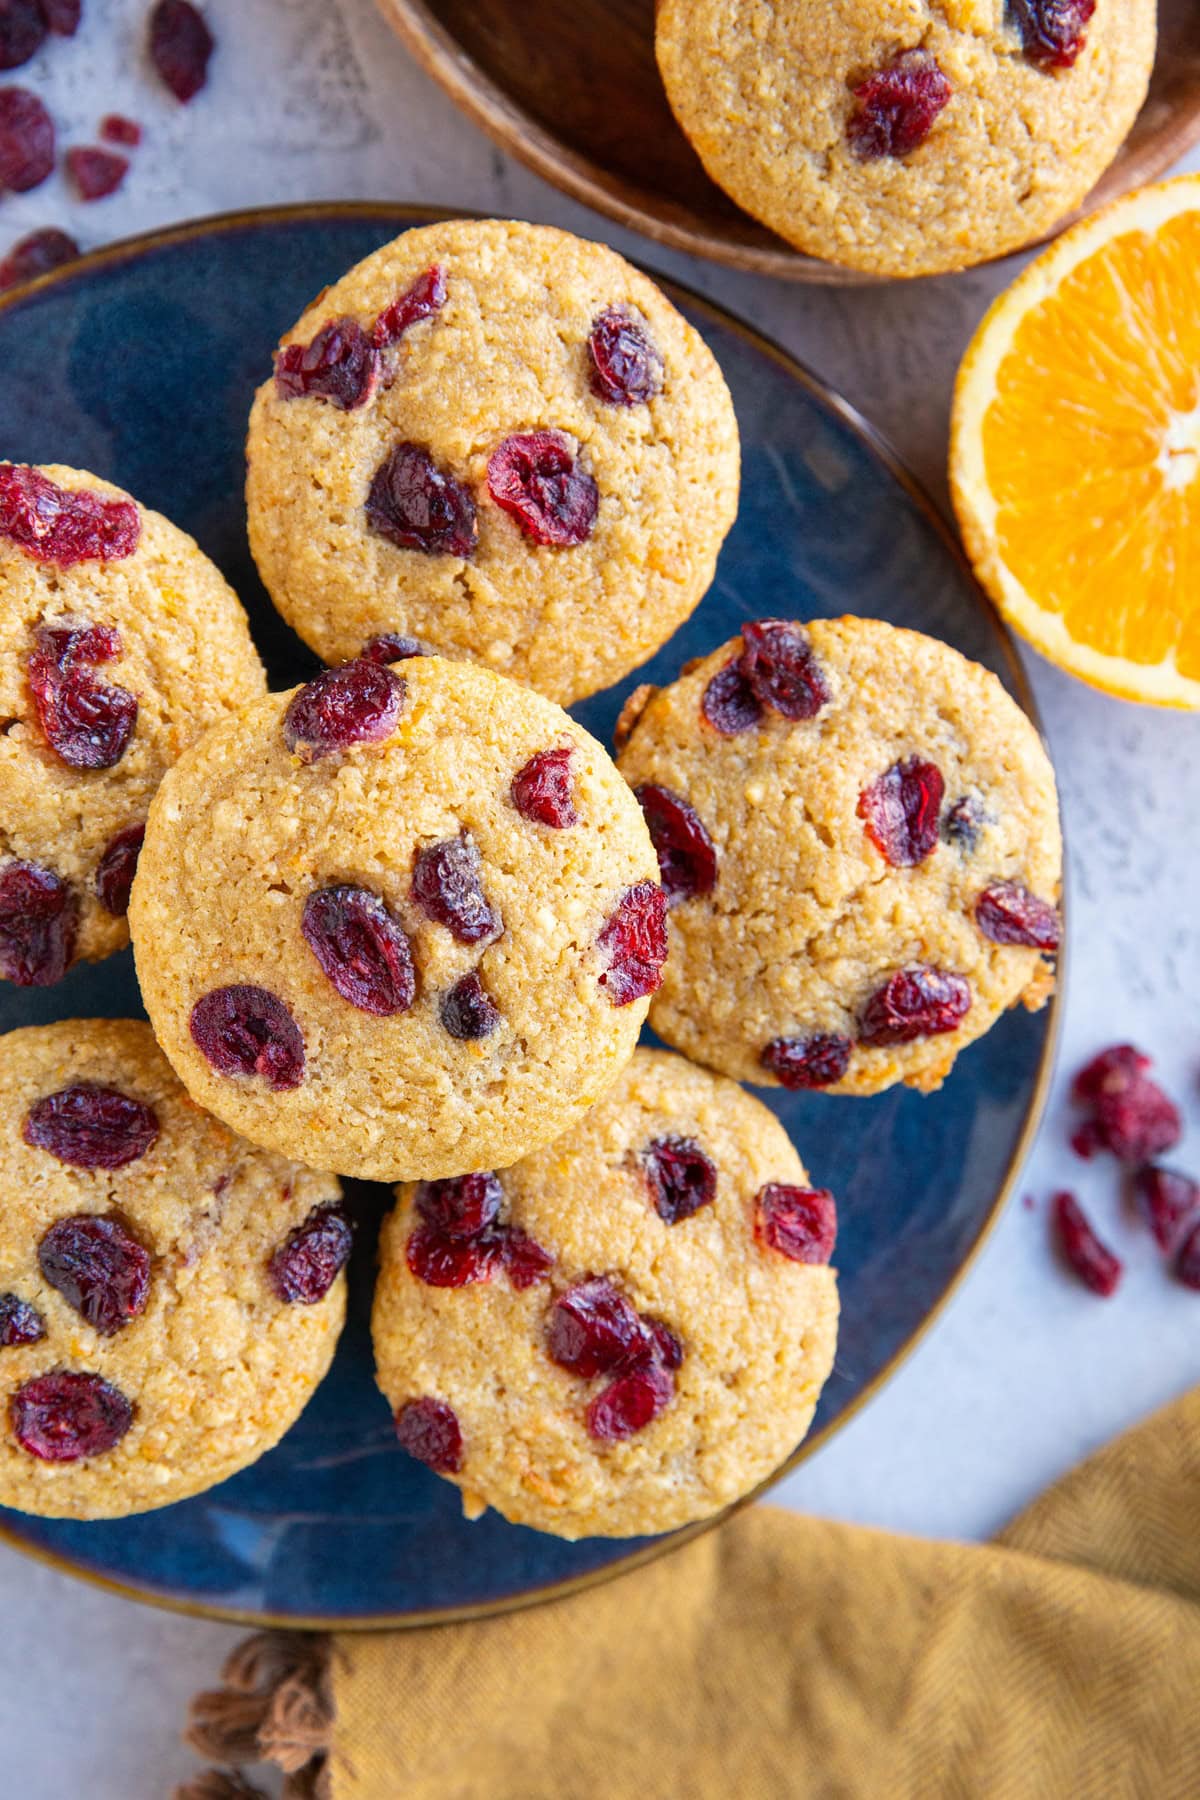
573,90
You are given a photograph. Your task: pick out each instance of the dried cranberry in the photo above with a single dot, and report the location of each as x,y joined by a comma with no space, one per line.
896,107
915,1003
963,823
23,28
63,16
448,1262
816,1061
665,1347
778,664
1187,1263
38,921
357,703
594,1330
180,46
626,368
534,476
361,949
729,703
64,1416
629,1404
429,1430
340,365
426,296
245,1030
311,1257
95,172
64,526
687,856
36,255
1087,1140
1008,913
901,809
466,1011
91,1127
448,887
1091,1260
20,1323
1052,32
461,1206
99,1268
801,1223
116,869
115,128
1167,1200
87,723
1110,1072
541,790
525,1263
390,648
417,506
682,1177
634,944
1138,1123
26,140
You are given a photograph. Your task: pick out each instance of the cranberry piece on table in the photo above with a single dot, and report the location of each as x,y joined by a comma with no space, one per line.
448,887
23,28
1187,1263
339,365
778,664
466,1011
897,107
91,1127
729,703
180,47
1052,32
115,128
542,790
801,1223
1111,1071
534,476
1131,1116
1092,1261
37,254
815,1061
96,173
901,810
1008,913
682,1177
116,869
87,723
417,506
915,1003
99,1268
38,922
58,525
426,296
389,647
634,944
311,1257
595,1330
626,367
963,823
246,1030
26,141
687,856
1167,1199
20,1323
63,16
461,1206
64,1416
361,949
358,703
429,1430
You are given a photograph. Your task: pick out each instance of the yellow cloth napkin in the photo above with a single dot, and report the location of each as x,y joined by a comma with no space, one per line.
781,1655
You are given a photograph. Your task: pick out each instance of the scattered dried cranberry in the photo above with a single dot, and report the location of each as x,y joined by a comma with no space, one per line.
682,1177
426,296
1187,1263
20,1323
901,809
541,790
99,1268
95,172
1167,1199
116,869
36,255
87,723
1109,1072
897,106
1131,1116
729,703
23,27
115,128
245,1030
687,857
357,703
534,476
1052,32
626,368
311,1257
778,664
447,1262
390,648
801,1223
594,1330
466,1011
629,1404
1087,1140
525,1263
64,1416
1091,1260
963,823
417,506
58,525
448,887
461,1206
915,1003
91,1127
180,46
63,16
26,141
361,949
816,1061
429,1430
1008,913
340,365
634,943
38,921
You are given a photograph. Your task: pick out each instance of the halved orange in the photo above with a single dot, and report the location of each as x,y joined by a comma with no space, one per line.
1075,448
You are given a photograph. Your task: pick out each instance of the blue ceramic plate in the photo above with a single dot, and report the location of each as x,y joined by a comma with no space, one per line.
140,362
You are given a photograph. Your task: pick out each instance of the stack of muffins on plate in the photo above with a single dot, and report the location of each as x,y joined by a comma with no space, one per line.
406,921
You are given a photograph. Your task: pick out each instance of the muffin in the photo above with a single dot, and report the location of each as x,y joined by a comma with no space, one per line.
626,1331
120,644
902,139
169,1296
401,922
858,836
499,440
